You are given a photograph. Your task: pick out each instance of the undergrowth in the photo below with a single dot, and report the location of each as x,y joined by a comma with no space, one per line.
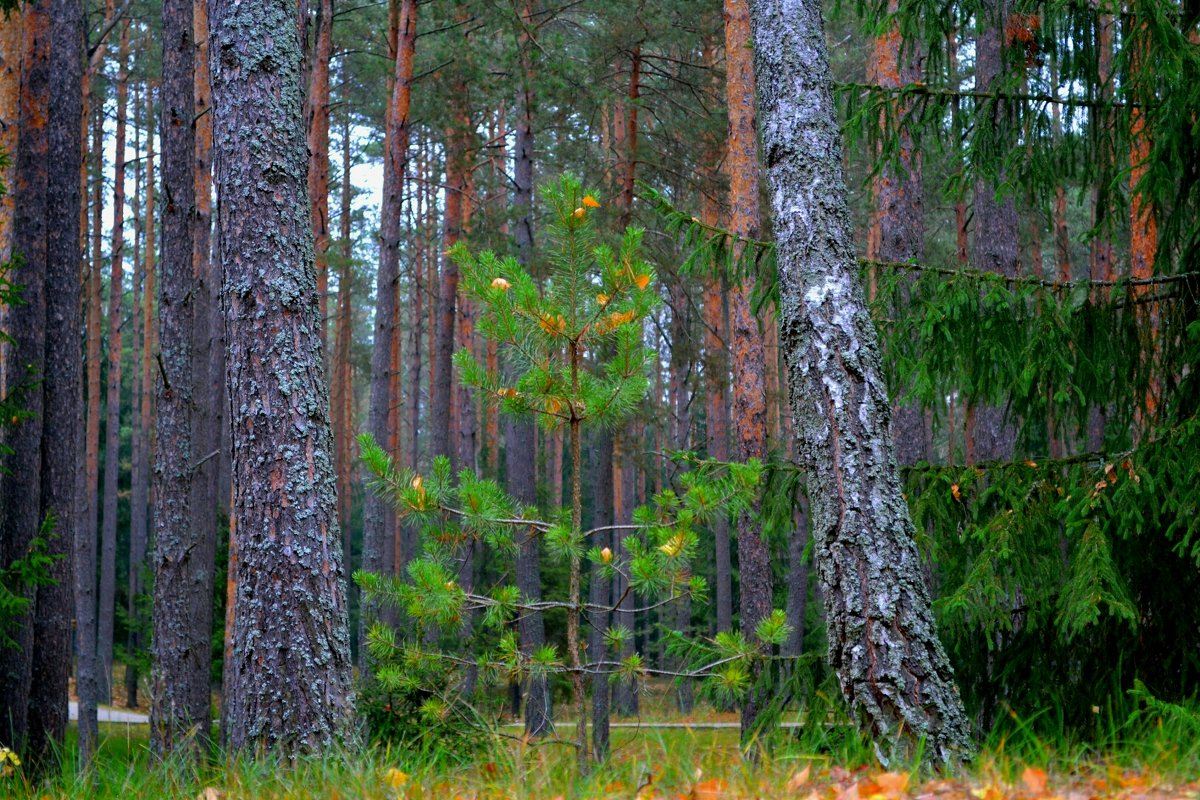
1144,743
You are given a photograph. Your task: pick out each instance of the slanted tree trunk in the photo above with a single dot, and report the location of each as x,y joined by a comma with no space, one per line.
112,425
183,557
746,339
62,387
290,668
883,645
20,512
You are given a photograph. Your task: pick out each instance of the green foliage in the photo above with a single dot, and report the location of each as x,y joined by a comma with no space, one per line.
575,356
21,578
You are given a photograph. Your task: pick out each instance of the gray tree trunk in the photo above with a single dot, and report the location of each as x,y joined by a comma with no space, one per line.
883,644
183,559
997,247
62,388
289,685
20,508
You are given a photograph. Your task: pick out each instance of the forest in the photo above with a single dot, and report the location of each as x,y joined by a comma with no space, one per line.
547,398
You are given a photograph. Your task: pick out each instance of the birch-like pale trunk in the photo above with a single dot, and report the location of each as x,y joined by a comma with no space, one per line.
883,643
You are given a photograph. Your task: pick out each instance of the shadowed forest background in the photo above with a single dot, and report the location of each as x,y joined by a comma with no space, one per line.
402,371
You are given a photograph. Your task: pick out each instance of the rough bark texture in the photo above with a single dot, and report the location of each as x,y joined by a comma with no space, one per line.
343,393
112,425
997,247
183,561
883,645
26,324
62,387
746,339
377,520
290,662
12,30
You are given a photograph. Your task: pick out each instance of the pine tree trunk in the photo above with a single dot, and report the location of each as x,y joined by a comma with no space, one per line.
898,215
519,442
882,640
997,243
440,400
112,425
62,389
318,150
137,467
86,553
377,521
183,560
21,483
746,339
12,30
343,429
140,493
290,670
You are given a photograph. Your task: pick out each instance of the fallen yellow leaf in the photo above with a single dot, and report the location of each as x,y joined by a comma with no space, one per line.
800,778
1034,780
395,778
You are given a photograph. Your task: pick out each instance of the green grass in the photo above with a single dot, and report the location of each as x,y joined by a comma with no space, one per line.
1157,746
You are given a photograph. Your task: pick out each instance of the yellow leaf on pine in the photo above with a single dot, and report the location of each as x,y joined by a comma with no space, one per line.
642,281
590,202
579,212
500,283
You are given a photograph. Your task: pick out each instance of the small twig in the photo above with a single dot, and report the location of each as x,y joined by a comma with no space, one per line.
162,369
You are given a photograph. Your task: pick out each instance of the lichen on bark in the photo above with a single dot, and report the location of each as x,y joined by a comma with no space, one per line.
883,643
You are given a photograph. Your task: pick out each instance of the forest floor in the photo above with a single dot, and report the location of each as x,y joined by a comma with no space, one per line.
663,755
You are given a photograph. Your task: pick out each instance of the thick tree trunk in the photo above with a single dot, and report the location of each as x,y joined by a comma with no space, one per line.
746,339
290,667
183,559
112,424
883,645
26,323
343,429
62,387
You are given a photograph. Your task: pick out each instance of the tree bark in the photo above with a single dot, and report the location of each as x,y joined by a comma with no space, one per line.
376,517
12,31
137,467
290,666
183,557
898,215
140,492
62,387
883,644
746,339
26,323
112,425
318,150
991,436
